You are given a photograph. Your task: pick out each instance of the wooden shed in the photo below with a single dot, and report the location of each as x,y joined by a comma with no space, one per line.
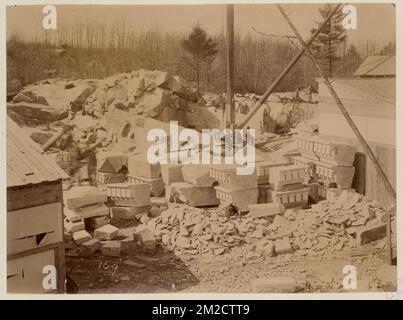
34,216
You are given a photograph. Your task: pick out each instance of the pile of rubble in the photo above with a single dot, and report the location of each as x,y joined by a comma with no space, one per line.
347,221
142,92
197,231
268,209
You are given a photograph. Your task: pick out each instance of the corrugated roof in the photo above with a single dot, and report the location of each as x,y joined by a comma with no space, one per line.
25,163
377,66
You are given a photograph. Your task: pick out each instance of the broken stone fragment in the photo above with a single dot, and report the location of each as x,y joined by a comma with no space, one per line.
257,234
280,235
129,244
80,196
283,246
88,248
106,232
183,242
323,242
183,231
111,248
71,216
30,97
154,102
290,214
148,240
135,87
128,213
166,239
194,196
128,232
24,113
155,211
158,78
138,165
157,184
265,248
371,233
96,222
266,210
218,251
94,210
81,236
280,222
339,246
74,226
197,175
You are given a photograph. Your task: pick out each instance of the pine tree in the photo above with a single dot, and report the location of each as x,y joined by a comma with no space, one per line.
325,46
201,51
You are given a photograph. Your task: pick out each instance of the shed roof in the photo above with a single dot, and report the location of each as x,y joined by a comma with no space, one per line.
377,66
381,88
25,162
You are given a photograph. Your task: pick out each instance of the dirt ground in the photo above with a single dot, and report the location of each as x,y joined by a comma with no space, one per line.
164,272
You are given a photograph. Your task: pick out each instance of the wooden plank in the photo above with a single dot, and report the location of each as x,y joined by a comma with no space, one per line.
374,188
24,274
35,227
34,195
59,263
61,267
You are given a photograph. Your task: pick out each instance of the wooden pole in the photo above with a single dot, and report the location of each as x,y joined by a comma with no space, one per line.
389,249
55,137
270,90
229,106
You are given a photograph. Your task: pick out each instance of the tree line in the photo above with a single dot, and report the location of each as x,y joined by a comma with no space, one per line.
90,50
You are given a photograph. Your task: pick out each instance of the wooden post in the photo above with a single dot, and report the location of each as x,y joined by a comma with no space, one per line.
389,249
229,105
55,137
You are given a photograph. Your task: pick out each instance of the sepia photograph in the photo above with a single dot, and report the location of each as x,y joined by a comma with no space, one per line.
227,148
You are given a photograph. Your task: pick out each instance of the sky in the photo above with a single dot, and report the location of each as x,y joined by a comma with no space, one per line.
376,22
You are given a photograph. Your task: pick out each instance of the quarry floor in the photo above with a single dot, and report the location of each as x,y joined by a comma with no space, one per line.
164,272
